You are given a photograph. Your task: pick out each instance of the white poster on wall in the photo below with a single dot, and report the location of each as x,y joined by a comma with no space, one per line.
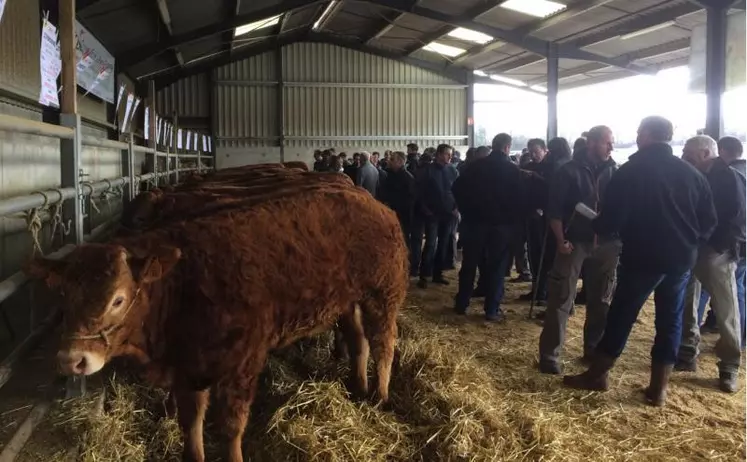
95,65
158,129
204,143
128,108
146,125
179,138
119,97
2,9
134,111
49,64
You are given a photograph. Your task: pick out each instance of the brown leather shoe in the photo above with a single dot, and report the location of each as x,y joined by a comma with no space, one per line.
656,393
595,378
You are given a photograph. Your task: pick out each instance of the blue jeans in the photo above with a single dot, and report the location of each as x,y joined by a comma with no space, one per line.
633,289
431,257
490,248
740,277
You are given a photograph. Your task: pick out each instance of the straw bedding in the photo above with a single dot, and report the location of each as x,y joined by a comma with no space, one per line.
461,391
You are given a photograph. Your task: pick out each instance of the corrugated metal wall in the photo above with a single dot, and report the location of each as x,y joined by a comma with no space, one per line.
189,97
332,96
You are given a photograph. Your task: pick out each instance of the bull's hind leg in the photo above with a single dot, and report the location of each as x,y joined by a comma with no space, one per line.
380,324
191,414
351,326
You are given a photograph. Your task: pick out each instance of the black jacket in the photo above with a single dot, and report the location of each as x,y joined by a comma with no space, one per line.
578,181
434,195
398,192
491,192
728,188
662,209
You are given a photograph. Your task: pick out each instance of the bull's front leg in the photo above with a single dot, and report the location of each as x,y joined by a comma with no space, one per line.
192,407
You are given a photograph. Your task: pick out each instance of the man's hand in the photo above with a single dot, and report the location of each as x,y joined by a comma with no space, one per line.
565,247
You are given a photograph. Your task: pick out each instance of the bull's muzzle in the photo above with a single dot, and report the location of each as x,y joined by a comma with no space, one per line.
77,362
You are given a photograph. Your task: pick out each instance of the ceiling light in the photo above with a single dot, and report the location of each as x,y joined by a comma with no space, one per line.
252,26
537,8
325,15
539,88
647,30
446,50
514,82
469,35
480,73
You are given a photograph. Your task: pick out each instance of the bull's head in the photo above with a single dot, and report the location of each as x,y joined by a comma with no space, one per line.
103,290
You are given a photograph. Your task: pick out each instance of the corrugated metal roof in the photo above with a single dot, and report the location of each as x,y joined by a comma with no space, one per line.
129,27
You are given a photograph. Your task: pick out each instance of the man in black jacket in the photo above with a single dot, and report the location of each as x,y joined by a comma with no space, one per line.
433,217
662,209
580,180
490,198
716,264
398,192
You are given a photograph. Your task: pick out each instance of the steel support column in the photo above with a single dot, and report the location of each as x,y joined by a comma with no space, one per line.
552,91
470,122
715,69
280,100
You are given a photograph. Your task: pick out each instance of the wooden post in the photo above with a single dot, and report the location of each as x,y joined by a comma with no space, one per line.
69,103
70,150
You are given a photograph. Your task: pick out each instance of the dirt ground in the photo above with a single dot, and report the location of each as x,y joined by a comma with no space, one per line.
474,394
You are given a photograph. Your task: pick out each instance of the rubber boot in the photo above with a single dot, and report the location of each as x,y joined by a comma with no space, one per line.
656,393
595,378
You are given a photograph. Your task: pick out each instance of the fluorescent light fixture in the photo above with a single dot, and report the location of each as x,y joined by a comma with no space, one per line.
647,30
537,8
256,25
539,88
446,50
469,35
325,14
514,82
480,73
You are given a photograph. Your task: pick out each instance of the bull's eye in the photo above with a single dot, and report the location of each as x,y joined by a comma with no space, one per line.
118,302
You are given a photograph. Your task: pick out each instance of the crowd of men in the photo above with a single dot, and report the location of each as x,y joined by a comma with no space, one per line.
660,223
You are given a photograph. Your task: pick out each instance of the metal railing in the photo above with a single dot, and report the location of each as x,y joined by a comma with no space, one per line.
68,199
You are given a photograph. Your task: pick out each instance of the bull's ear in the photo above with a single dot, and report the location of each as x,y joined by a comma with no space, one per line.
49,270
158,264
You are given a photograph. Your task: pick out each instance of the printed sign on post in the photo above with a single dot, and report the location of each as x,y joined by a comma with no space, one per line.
95,65
179,138
50,65
128,108
147,123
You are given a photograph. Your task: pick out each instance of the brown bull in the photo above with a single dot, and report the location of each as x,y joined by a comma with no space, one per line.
200,304
152,207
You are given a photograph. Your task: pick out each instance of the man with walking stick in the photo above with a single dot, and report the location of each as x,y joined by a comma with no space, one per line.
580,180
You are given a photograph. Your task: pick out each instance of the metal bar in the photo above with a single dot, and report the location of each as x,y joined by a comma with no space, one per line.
11,285
176,152
70,175
128,167
470,122
715,77
16,443
92,141
144,149
280,99
33,127
247,83
552,91
378,138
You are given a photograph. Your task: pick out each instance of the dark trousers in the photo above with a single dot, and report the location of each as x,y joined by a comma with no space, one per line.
491,245
519,252
451,248
537,232
431,256
405,222
633,289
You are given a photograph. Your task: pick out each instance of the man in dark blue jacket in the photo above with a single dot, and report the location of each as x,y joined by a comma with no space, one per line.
434,214
716,264
661,207
490,198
